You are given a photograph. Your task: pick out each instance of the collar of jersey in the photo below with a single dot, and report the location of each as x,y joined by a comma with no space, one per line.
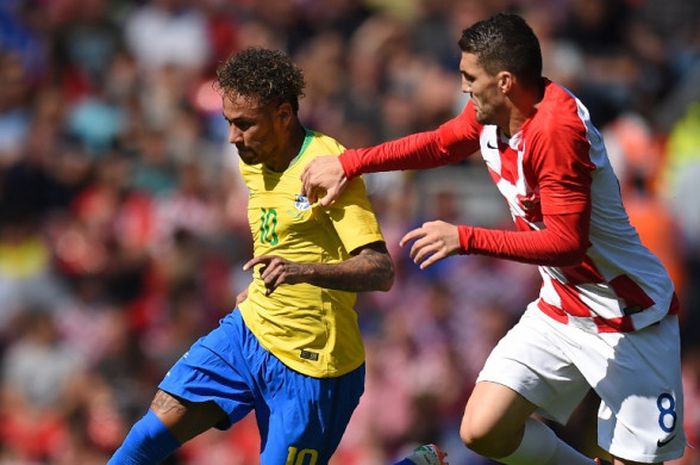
308,137
307,140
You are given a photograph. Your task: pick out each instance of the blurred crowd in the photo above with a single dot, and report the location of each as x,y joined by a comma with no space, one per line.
122,214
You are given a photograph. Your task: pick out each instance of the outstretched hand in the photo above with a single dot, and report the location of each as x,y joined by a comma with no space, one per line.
276,271
434,241
323,179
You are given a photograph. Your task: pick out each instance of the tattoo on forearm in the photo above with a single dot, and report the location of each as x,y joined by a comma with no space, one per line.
377,268
369,270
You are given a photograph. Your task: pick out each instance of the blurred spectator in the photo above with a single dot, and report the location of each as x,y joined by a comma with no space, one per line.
167,32
14,111
84,47
37,370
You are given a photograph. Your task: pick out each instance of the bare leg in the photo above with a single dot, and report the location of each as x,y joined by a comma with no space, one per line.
184,419
494,419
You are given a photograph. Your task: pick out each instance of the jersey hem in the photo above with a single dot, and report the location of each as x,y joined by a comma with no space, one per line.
301,368
646,458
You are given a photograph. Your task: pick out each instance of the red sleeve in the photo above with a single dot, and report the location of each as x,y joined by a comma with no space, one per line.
560,162
455,140
563,242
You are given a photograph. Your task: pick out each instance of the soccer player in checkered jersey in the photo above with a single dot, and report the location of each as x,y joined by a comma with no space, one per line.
606,314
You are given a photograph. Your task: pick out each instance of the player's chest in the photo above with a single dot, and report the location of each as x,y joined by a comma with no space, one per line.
507,161
274,216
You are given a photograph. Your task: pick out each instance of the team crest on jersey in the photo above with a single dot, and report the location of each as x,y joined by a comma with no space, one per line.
530,204
301,203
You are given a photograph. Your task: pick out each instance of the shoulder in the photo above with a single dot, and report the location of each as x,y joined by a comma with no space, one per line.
559,115
557,136
322,144
316,145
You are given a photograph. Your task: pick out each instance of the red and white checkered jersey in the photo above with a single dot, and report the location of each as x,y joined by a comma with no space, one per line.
620,286
554,171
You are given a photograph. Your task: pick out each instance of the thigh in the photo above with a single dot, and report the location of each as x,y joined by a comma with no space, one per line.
213,373
529,360
307,416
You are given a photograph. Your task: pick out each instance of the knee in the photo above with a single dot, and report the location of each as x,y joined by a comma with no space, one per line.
486,439
476,436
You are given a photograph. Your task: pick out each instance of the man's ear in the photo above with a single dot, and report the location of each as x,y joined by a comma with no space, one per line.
285,113
505,81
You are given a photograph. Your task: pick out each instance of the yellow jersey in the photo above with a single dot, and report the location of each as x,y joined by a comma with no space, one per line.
310,329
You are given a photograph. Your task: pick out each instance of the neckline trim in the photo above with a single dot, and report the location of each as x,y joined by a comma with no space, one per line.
308,137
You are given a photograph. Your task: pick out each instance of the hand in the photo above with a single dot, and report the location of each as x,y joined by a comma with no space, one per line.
241,296
435,240
323,180
276,271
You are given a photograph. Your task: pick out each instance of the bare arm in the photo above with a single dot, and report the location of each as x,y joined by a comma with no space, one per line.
369,269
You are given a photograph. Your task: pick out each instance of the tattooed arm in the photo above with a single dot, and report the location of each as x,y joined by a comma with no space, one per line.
369,269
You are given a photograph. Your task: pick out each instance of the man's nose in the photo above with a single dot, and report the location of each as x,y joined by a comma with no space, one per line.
235,135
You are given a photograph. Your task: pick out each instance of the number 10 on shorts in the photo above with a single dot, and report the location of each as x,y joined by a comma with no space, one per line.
302,457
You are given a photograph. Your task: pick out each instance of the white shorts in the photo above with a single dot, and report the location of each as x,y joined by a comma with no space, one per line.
637,376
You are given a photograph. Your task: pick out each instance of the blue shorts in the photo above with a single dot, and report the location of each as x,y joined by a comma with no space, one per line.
301,419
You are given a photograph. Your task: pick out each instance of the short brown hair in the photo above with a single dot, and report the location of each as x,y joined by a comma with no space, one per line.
505,42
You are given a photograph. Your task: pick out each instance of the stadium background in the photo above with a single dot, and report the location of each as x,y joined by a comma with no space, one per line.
122,225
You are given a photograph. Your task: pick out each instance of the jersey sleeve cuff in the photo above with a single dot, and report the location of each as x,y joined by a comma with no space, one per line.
465,237
350,161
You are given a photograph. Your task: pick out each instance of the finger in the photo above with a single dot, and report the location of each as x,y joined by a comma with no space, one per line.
436,257
274,280
281,278
256,261
329,198
305,185
411,235
422,248
268,272
312,195
269,281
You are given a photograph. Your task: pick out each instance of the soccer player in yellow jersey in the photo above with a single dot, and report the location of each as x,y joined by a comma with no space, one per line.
292,349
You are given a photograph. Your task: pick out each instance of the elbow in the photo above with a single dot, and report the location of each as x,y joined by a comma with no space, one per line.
386,276
571,256
387,283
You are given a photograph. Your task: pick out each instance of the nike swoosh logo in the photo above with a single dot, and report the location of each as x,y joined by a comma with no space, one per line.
488,144
661,443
